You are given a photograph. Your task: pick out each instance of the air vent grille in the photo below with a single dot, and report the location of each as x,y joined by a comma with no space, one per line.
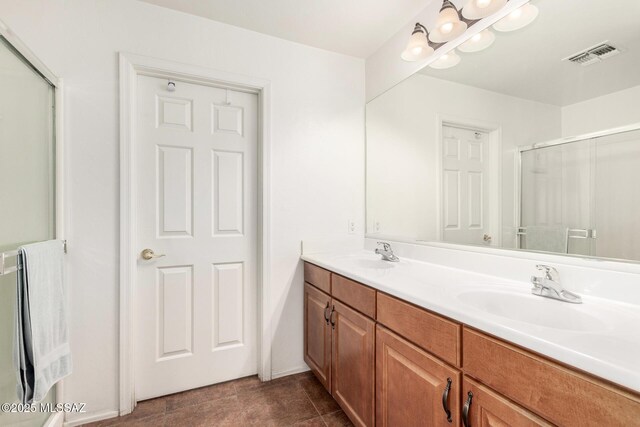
593,54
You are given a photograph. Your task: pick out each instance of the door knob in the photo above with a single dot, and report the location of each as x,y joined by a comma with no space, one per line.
149,254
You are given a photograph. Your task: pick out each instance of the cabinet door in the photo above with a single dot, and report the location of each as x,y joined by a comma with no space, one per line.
353,364
317,334
413,387
487,408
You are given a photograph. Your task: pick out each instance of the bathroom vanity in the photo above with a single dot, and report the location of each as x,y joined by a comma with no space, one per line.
396,350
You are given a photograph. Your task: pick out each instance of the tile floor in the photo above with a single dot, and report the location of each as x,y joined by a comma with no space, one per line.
296,400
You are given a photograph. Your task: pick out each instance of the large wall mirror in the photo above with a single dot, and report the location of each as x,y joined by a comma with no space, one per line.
531,143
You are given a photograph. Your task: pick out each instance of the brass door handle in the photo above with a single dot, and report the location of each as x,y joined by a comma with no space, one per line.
149,254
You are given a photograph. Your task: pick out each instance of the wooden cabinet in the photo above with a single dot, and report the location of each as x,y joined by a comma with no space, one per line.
485,408
318,277
354,294
413,388
561,395
317,333
388,363
353,364
434,333
339,342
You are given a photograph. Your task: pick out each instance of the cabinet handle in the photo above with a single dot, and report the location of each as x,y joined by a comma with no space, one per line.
333,321
326,315
465,410
445,399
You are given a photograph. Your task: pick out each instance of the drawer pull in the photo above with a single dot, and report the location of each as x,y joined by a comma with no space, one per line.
333,320
465,410
326,315
445,399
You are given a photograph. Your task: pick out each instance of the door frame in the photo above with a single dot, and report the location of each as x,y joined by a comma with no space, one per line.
495,149
131,66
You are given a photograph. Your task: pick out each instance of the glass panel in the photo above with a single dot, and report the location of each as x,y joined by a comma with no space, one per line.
589,188
27,195
557,198
617,196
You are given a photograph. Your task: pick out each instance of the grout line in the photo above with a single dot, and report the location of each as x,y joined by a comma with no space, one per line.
312,402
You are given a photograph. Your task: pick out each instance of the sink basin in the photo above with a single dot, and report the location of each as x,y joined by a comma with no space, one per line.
532,309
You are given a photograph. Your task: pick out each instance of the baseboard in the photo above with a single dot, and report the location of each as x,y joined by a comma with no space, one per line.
54,420
293,371
99,416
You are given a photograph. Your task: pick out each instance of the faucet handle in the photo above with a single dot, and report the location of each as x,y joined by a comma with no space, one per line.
550,272
385,245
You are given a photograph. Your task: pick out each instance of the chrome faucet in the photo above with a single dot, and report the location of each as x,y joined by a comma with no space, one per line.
549,286
387,252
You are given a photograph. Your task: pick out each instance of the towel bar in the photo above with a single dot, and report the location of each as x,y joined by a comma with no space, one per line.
14,253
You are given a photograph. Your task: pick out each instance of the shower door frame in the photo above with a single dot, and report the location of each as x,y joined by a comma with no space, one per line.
55,419
552,143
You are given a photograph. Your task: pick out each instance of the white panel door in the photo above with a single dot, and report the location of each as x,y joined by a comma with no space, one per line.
196,154
465,185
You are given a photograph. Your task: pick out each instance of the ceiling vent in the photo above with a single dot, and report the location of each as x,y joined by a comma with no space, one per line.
594,54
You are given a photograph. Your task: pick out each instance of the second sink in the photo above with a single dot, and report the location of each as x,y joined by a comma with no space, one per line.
531,309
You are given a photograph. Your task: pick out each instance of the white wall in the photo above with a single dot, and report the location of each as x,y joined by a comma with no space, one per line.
317,163
402,148
604,112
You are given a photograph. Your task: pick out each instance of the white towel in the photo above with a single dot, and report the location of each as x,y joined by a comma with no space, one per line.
42,356
547,238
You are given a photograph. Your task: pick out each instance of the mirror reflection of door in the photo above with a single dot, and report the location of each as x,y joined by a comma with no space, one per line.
465,205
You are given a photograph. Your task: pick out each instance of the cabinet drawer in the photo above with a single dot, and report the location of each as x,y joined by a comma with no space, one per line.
318,277
358,296
560,395
488,408
435,334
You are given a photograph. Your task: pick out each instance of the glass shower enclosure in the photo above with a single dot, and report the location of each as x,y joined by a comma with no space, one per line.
588,189
27,194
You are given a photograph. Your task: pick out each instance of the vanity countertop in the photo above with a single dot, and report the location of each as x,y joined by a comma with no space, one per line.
599,336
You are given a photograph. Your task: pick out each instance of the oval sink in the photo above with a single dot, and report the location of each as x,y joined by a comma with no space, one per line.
532,309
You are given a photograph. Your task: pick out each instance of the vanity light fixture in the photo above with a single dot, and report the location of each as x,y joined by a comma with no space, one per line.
418,47
519,18
448,60
448,26
478,9
478,42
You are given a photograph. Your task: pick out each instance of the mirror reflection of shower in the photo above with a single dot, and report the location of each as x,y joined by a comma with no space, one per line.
582,197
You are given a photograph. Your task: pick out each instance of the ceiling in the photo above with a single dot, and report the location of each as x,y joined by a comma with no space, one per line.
528,63
352,27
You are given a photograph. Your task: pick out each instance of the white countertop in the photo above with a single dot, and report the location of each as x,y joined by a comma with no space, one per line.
600,336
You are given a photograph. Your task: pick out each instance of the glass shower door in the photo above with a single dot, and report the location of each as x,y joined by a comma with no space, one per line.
27,195
557,198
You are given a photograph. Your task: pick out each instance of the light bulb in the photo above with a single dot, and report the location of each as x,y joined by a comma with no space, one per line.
478,9
448,25
478,42
517,19
448,60
446,28
418,46
515,14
